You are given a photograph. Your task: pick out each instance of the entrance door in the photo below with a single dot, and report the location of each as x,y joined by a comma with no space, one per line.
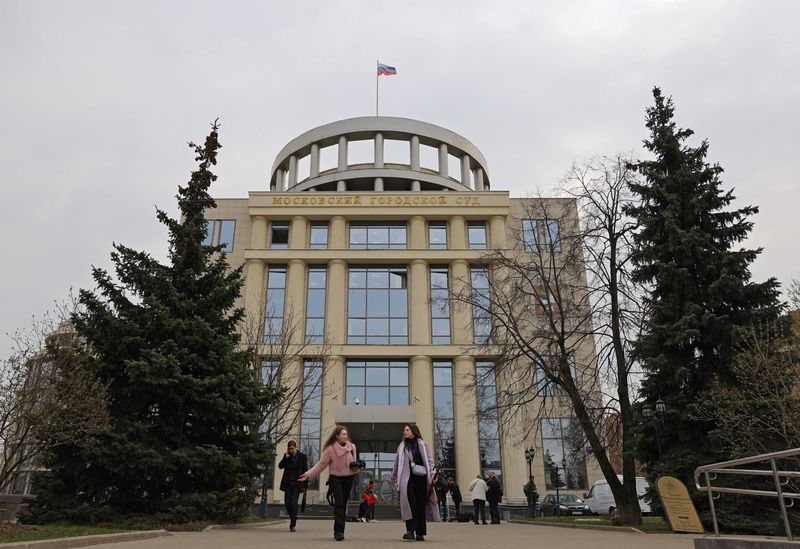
379,470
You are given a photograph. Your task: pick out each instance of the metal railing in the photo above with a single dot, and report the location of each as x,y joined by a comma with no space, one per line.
780,478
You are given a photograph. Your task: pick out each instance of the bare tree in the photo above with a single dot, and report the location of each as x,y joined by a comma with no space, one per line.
558,312
294,360
47,398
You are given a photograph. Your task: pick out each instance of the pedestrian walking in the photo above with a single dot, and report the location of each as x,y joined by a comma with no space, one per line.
455,493
494,495
532,495
413,468
339,455
368,500
441,493
293,463
478,493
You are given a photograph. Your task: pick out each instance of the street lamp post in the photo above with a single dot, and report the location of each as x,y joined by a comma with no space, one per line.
656,415
529,455
558,485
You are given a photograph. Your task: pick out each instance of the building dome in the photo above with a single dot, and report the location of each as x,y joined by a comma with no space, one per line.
376,175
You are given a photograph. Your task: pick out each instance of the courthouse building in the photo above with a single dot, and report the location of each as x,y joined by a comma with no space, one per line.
364,227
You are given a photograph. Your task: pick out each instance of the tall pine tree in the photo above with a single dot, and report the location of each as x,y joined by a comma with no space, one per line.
184,402
700,297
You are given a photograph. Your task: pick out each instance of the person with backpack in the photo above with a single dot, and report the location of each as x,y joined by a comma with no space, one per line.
455,493
368,501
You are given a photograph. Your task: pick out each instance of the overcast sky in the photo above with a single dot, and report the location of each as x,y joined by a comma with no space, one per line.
98,100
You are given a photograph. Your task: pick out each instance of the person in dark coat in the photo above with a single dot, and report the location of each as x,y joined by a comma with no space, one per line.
494,494
441,492
532,495
294,464
455,493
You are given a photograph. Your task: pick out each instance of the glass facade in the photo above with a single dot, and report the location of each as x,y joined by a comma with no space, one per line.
318,238
476,235
209,238
279,239
377,305
547,387
276,296
315,304
227,230
311,417
530,236
488,423
437,235
549,229
443,424
481,303
378,236
440,305
377,383
563,445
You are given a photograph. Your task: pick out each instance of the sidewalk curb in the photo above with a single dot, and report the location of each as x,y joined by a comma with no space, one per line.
239,526
629,529
85,541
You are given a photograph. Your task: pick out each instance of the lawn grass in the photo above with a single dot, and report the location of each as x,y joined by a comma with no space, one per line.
651,525
11,532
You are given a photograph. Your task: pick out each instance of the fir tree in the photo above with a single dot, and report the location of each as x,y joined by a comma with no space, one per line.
185,405
700,299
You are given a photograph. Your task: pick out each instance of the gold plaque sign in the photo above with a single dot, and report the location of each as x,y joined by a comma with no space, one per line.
681,514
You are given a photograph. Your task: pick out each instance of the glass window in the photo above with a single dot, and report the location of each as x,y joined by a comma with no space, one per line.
315,304
319,236
378,235
444,434
529,235
276,295
280,235
440,305
476,233
481,305
552,235
311,416
226,231
377,383
564,454
488,424
437,235
209,238
377,311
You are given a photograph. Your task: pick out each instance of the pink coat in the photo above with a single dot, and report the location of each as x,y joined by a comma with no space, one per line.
338,457
401,474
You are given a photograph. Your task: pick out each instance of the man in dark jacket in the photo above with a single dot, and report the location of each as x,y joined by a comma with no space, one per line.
294,464
455,493
441,494
532,496
494,494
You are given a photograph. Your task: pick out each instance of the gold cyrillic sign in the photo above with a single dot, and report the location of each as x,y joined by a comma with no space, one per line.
380,200
681,514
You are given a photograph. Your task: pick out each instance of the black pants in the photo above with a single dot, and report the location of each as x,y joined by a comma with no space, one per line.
480,506
494,512
457,505
417,490
290,497
341,493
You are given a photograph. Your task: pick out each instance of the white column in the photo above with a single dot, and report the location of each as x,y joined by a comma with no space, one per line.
479,186
465,402
314,160
341,186
443,159
378,185
258,233
465,171
419,321
342,153
292,172
279,187
414,152
379,150
299,233
336,303
415,186
421,379
497,232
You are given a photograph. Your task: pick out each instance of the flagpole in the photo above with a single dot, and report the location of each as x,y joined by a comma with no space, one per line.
377,62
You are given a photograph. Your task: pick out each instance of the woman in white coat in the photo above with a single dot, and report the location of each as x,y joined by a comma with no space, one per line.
478,488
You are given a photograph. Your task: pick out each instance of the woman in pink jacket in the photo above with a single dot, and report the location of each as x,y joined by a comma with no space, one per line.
339,454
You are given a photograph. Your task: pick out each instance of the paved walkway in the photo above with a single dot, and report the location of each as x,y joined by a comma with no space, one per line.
319,533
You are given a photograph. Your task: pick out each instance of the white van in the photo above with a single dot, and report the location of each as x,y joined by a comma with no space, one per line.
601,500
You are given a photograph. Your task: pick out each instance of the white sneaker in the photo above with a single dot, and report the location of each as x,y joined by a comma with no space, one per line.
374,520
363,519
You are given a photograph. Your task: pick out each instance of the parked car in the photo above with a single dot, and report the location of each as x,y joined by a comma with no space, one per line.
601,500
568,504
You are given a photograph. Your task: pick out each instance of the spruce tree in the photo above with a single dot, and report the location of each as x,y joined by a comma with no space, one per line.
185,405
700,296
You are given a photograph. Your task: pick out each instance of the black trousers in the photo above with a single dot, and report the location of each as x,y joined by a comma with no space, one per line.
341,493
480,506
290,497
494,512
417,490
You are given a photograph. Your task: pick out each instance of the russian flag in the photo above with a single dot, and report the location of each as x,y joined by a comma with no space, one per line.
386,70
